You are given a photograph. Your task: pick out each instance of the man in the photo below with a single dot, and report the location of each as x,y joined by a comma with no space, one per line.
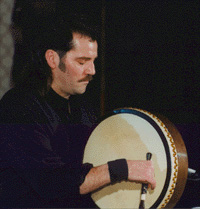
44,127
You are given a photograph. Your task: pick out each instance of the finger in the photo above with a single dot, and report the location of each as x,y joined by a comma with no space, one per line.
153,185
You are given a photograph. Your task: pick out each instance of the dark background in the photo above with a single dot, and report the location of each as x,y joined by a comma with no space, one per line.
152,57
149,58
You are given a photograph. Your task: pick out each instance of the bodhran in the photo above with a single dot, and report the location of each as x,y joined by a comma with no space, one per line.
130,133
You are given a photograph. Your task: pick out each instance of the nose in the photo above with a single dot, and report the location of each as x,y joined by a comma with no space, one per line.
91,69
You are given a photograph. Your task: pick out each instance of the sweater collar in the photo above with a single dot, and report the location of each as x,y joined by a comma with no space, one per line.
56,100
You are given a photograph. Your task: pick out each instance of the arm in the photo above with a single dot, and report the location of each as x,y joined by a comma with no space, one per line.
96,178
138,171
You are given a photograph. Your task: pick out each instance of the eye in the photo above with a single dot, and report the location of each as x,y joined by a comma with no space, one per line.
81,63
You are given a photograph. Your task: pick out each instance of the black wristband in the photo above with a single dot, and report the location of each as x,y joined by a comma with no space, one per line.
118,170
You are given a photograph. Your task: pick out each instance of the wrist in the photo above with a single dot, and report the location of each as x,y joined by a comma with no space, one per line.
118,170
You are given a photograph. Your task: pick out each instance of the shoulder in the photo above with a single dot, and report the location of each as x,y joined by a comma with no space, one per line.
22,106
16,95
16,98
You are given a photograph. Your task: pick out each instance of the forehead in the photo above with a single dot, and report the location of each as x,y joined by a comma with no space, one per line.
84,46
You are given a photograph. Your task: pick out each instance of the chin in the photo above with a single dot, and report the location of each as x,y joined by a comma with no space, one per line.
81,91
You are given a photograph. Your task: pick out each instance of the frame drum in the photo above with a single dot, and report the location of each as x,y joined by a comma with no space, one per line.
131,133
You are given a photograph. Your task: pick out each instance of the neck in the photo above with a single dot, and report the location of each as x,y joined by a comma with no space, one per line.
59,92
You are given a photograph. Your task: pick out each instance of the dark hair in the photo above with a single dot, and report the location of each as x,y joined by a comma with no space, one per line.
50,32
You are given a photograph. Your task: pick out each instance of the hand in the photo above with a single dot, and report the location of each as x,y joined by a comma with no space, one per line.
141,171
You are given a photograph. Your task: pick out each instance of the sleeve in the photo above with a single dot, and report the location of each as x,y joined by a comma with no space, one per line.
26,147
37,165
86,167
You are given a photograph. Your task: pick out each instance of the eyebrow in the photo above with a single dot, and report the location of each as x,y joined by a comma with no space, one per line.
86,58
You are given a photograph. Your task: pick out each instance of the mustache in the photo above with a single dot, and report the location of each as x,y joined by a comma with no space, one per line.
87,78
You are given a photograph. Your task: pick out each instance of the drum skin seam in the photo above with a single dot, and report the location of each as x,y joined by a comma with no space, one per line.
174,178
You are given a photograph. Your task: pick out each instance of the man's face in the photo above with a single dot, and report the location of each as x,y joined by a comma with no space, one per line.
76,68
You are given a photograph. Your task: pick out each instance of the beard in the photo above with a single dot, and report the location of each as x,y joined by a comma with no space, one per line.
62,66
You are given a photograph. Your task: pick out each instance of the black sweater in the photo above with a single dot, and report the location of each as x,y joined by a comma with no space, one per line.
41,149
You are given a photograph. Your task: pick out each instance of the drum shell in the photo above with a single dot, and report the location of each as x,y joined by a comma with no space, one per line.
182,160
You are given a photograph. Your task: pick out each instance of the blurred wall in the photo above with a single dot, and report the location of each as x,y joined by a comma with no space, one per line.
6,44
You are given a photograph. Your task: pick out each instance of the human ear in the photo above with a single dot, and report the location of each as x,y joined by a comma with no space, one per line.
52,58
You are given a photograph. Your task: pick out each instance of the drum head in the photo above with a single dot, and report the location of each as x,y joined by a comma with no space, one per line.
131,133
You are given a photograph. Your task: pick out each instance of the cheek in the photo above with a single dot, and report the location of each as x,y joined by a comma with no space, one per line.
74,70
